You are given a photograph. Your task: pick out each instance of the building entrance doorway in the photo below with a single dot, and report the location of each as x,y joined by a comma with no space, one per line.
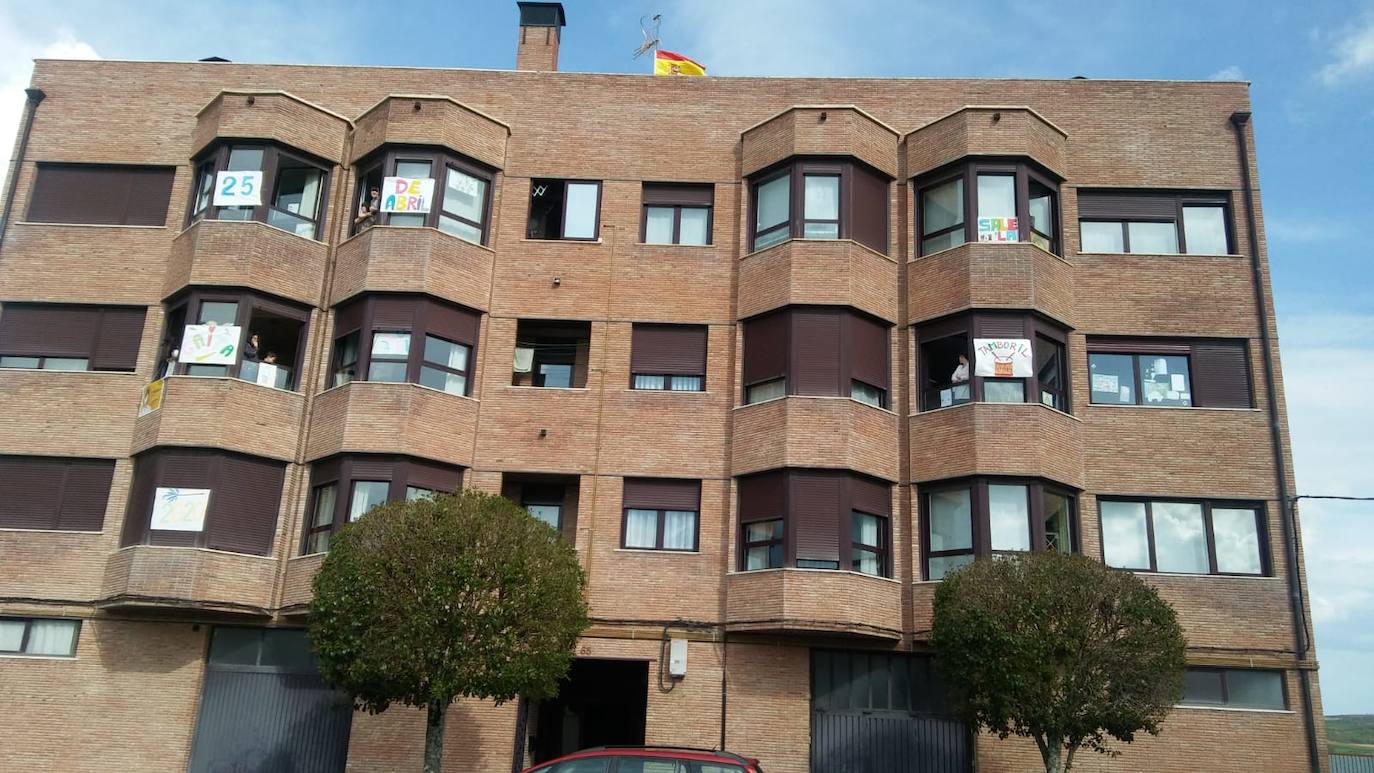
599,703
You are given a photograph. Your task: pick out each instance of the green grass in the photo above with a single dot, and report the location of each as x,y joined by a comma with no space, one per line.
1350,734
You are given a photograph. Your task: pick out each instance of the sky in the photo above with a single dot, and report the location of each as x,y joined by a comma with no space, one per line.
1311,65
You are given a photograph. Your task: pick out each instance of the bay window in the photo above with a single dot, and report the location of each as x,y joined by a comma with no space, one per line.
994,357
987,201
283,188
1155,222
237,334
405,339
811,198
993,516
344,488
823,351
1184,536
460,204
815,519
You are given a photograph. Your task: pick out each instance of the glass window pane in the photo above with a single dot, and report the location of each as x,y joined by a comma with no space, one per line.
66,363
287,648
218,312
1153,238
641,528
1009,517
866,393
418,492
822,197
762,531
951,520
51,637
693,226
11,635
367,494
464,195
865,561
1180,538
1125,543
768,390
1041,208
235,646
772,206
1202,687
579,221
996,195
943,207
658,225
772,237
1254,689
556,375
549,514
821,231
289,222
866,529
1236,532
453,383
324,505
1204,229
458,228
245,160
1112,379
1164,380
383,370
1004,390
412,169
943,565
942,242
19,362
648,382
446,353
686,384
1058,522
298,190
680,530
406,219
1102,237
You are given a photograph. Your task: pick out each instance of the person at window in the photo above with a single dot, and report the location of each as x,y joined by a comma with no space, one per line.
270,358
960,380
367,211
164,368
250,352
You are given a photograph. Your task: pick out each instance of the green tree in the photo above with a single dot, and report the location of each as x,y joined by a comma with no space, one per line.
1057,648
453,596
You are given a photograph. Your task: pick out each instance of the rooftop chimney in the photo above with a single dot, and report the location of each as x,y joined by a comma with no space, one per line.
540,28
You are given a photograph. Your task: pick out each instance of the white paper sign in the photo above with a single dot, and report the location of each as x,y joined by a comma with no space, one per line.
390,344
179,509
1106,382
238,189
267,374
210,344
407,194
1003,357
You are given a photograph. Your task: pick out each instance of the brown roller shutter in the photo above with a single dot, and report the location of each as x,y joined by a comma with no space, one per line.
870,496
1139,346
1221,374
816,344
326,471
815,511
439,477
763,496
349,317
1126,206
678,194
101,195
942,328
662,494
765,347
451,322
393,312
118,337
86,494
29,490
280,308
678,350
869,208
243,515
372,468
51,330
868,350
999,326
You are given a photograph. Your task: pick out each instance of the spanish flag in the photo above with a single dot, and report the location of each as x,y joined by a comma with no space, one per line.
669,63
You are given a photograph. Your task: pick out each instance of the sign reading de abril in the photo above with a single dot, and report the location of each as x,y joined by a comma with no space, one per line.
1003,358
407,194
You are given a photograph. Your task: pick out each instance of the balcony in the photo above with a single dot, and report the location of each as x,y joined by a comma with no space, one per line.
210,412
228,253
820,130
986,131
824,432
998,439
390,418
145,576
808,271
989,275
57,413
809,601
419,260
403,119
271,115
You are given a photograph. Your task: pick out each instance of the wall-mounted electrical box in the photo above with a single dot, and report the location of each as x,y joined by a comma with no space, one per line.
677,658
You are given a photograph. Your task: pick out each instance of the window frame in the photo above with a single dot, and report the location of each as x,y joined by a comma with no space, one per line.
25,637
747,545
641,330
852,327
92,352
882,550
342,471
659,529
563,220
421,325
56,473
1034,328
980,516
1222,673
1022,170
384,162
1180,200
1166,349
798,168
246,302
215,159
658,196
1208,505
784,510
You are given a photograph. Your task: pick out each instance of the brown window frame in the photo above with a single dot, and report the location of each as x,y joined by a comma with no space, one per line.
659,529
215,159
1180,201
383,163
91,351
28,631
747,545
851,322
1023,171
421,327
1222,674
981,517
628,503
399,472
563,218
1034,328
53,475
783,511
179,309
677,197
1200,356
555,342
1208,505
667,376
799,168
38,195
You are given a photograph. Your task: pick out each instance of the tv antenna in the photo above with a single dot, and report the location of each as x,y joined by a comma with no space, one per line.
650,38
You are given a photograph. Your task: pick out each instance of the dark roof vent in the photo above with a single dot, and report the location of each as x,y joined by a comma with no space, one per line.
214,59
542,15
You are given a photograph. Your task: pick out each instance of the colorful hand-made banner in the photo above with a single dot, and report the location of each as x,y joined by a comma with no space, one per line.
1003,358
152,397
238,189
179,509
210,344
999,229
407,194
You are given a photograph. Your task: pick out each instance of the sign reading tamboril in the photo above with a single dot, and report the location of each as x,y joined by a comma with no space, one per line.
1003,358
407,194
210,344
179,509
238,189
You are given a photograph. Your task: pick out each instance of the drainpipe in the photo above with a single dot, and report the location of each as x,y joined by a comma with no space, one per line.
35,96
1297,602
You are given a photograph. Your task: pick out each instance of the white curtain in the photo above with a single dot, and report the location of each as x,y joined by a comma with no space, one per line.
52,637
679,530
641,528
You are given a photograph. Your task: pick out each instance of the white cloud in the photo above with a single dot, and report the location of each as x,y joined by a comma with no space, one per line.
1352,54
16,62
1231,73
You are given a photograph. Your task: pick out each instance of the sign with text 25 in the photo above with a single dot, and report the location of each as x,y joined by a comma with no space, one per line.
407,194
238,189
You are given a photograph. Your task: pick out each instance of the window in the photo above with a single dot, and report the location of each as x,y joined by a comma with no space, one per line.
876,683
677,213
98,194
988,201
269,349
949,358
264,650
671,357
1155,222
293,187
203,498
551,499
54,493
820,199
405,339
564,209
461,204
660,514
823,351
551,354
345,487
1239,688
990,516
39,636
50,336
815,519
1184,536
1169,373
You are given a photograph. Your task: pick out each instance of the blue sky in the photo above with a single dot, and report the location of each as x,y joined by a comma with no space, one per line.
1312,66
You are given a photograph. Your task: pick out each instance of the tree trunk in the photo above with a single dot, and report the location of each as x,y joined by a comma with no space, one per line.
434,737
1050,752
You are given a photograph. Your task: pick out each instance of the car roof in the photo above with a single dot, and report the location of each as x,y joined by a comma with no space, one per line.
670,752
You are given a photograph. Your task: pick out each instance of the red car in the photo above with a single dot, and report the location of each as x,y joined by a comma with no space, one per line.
648,759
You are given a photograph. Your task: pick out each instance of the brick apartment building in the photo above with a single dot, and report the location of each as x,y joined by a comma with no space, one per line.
709,328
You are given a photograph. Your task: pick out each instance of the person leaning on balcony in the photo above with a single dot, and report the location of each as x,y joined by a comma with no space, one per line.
367,212
959,391
960,373
250,352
